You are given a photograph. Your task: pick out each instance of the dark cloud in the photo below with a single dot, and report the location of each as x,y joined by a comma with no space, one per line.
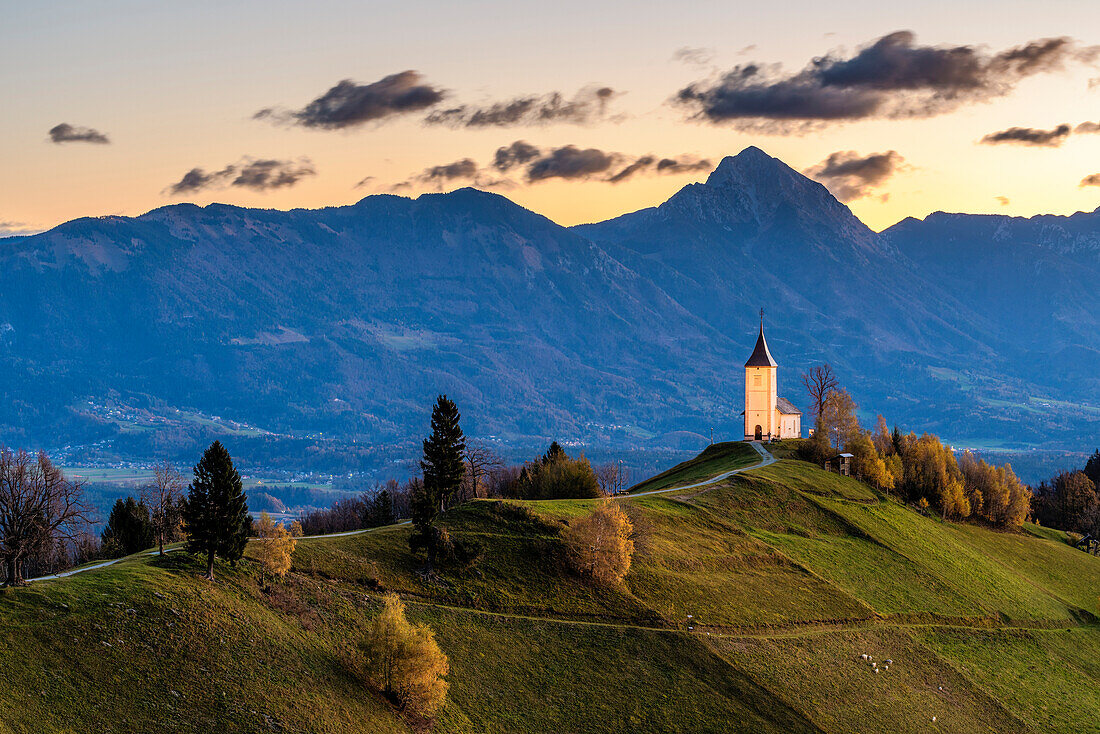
891,77
258,175
516,154
642,164
649,164
349,103
66,133
685,164
852,176
196,179
571,162
531,163
440,177
586,106
1090,180
693,55
1029,136
265,175
463,169
1087,127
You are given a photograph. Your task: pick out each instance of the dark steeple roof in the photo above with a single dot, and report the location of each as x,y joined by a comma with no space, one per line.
761,357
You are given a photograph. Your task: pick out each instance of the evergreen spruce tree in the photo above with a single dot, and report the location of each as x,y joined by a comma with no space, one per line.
381,509
443,469
128,530
216,510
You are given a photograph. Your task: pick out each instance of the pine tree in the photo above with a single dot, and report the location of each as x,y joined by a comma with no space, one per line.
381,509
216,511
129,528
443,469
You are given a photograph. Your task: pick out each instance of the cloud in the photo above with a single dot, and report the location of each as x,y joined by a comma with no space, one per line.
532,164
892,77
1002,200
66,133
1090,180
17,229
463,169
1038,137
571,162
513,155
649,164
586,106
258,175
350,104
440,177
851,176
697,56
1029,136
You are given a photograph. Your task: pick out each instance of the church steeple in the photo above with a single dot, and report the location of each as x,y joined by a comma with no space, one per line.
761,356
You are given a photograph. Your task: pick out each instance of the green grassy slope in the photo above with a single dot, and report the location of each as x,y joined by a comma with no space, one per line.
747,608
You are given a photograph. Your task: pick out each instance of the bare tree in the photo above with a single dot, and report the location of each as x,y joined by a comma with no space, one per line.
481,461
162,498
820,382
39,508
613,477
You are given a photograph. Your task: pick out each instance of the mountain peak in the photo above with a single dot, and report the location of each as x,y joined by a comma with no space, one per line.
751,164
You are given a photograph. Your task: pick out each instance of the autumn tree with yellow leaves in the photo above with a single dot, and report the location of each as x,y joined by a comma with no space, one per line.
275,548
403,660
599,545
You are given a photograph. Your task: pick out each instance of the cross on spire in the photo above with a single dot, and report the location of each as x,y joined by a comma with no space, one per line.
761,317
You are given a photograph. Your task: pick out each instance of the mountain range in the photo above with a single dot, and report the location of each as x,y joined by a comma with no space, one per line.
142,335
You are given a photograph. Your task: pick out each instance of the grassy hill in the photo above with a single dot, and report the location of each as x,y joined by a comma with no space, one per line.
747,608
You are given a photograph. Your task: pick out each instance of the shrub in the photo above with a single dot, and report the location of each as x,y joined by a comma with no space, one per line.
557,476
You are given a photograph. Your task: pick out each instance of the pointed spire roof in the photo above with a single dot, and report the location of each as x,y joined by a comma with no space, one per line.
761,356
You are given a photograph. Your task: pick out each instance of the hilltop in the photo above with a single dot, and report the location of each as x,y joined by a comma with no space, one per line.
158,333
748,607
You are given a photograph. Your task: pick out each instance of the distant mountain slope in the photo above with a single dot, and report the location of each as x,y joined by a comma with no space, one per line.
345,322
1036,279
346,319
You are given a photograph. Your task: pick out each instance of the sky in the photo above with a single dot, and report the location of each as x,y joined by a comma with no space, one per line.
580,111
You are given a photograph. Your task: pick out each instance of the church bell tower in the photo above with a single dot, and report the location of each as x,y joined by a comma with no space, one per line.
761,391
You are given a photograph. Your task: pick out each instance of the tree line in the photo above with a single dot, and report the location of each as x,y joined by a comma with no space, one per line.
1071,500
919,469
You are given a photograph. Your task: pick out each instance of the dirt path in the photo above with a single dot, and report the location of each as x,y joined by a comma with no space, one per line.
104,564
766,459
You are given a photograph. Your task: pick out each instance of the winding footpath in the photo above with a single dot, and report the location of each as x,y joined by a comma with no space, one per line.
104,564
766,459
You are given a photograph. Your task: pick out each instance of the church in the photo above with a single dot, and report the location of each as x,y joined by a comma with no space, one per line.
767,415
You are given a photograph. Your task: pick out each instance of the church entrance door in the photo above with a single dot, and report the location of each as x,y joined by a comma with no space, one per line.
759,433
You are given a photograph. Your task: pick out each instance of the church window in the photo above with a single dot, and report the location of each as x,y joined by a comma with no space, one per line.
756,380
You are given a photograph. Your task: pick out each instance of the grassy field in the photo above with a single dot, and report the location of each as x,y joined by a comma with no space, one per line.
747,608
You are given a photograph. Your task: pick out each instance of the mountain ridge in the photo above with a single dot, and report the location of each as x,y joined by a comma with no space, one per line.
349,319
